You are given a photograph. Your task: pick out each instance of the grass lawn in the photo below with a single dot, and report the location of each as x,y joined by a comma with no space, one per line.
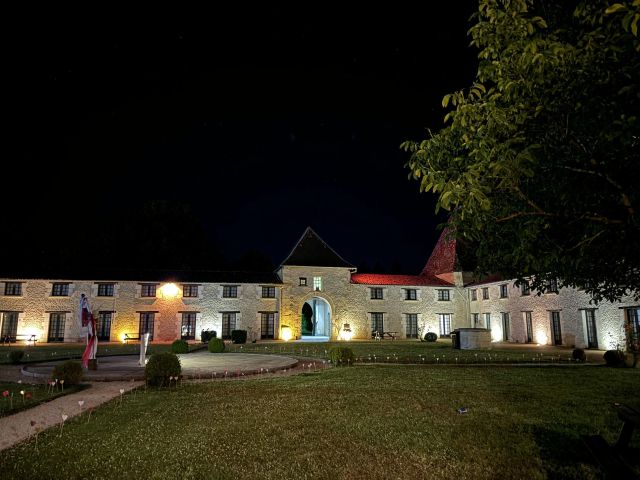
34,394
55,351
410,351
369,422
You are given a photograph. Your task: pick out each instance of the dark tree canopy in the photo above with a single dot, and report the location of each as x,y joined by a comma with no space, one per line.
539,161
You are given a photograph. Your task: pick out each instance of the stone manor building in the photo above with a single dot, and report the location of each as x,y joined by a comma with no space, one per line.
314,294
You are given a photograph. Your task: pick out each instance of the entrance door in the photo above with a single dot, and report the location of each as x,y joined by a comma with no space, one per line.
506,328
555,328
56,327
592,336
529,326
307,320
9,329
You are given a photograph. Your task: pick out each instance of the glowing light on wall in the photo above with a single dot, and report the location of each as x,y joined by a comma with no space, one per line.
285,333
346,333
169,290
122,338
34,334
541,338
496,333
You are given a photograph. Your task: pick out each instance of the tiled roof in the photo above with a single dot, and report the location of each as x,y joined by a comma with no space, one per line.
496,277
443,256
312,251
409,280
184,276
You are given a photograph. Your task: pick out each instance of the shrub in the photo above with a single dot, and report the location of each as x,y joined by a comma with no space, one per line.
206,335
614,358
180,346
431,337
216,345
239,336
69,371
578,355
160,367
341,356
15,356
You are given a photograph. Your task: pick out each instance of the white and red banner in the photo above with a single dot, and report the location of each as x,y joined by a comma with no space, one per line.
88,321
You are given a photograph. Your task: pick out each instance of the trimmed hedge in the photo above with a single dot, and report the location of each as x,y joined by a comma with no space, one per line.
160,367
206,335
180,346
614,358
578,355
69,371
216,345
15,356
430,337
341,356
239,336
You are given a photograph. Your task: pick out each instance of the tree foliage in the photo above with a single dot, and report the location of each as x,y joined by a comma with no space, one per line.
539,160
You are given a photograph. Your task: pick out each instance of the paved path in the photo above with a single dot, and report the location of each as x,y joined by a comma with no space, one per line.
17,427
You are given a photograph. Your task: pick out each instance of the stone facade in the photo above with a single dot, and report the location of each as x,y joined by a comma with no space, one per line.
438,300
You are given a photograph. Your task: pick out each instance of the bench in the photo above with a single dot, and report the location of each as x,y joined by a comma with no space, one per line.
30,339
131,336
614,459
381,335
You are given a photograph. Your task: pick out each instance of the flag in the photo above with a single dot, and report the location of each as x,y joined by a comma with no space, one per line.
89,322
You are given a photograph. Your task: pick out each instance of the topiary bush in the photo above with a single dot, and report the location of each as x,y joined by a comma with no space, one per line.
69,371
216,345
614,358
430,337
206,335
239,336
160,367
578,355
341,356
180,346
15,356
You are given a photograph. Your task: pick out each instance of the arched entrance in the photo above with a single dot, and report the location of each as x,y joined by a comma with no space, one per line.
315,319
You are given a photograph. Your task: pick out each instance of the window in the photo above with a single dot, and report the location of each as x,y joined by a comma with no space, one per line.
487,321
148,290
268,292
633,324
506,327
303,281
524,289
189,291
504,292
56,327
474,295
317,283
445,324
228,324
230,291
188,328
13,289
528,326
592,334
105,289
485,293
60,290
376,293
475,319
146,324
377,323
267,322
556,330
9,328
103,326
410,294
412,325
552,285
443,295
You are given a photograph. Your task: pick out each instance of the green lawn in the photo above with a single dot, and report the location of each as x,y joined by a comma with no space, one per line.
409,351
369,422
55,351
34,394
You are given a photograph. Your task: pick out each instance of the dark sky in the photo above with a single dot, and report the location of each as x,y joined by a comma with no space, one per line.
264,122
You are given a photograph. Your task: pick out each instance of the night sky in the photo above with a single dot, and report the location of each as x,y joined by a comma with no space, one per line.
262,122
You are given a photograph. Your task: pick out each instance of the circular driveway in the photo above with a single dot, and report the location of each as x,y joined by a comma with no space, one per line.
194,365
